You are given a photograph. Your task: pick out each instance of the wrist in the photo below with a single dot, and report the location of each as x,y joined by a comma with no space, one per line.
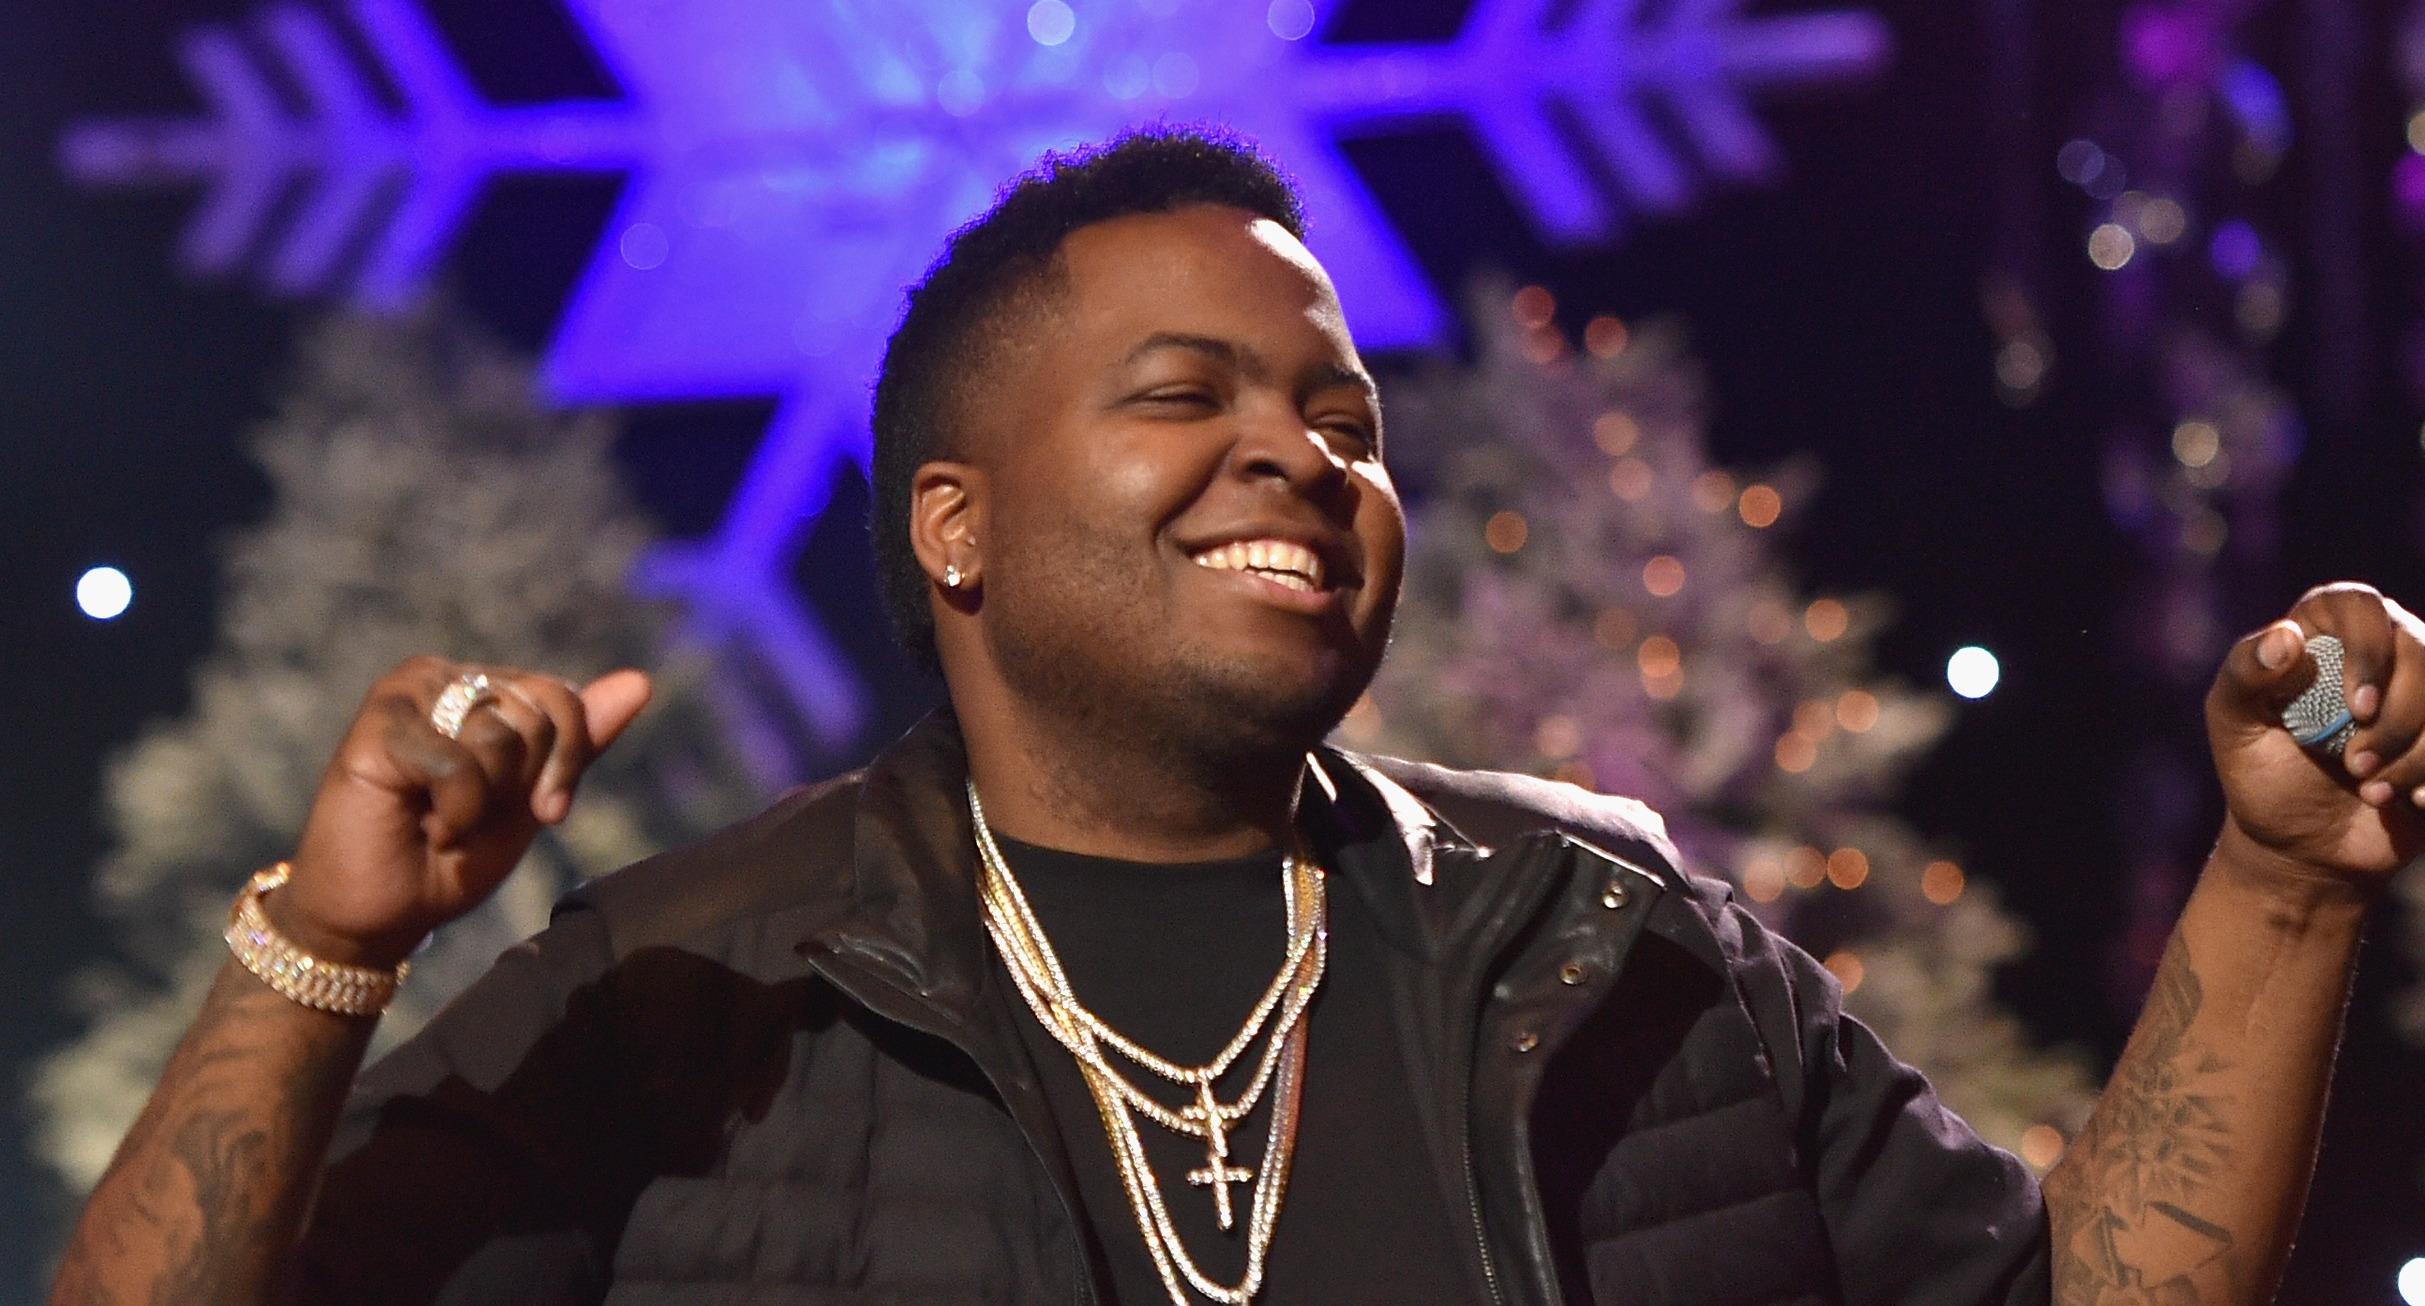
2292,889
291,916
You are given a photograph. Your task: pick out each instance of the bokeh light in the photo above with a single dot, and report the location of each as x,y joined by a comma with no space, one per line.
1558,737
1764,878
1533,307
1506,531
1845,965
1941,883
1290,20
1770,623
2196,442
1615,431
104,593
1630,479
644,246
1826,620
1663,575
1857,711
1972,671
1848,868
1051,22
1713,491
2162,220
1659,657
2042,1146
1760,506
1806,867
2110,246
2411,1282
1605,336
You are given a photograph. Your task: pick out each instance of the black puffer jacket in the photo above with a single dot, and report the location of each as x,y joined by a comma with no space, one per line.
780,1067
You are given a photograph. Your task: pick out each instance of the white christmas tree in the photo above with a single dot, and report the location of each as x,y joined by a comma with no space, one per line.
426,500
1589,598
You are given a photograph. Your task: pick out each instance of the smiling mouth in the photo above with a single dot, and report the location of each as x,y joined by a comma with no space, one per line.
1281,562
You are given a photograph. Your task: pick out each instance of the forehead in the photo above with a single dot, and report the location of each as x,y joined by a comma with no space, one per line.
1205,268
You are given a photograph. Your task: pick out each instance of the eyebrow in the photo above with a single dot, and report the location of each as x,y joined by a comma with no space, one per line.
1229,354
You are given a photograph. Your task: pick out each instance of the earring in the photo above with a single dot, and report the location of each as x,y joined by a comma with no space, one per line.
951,576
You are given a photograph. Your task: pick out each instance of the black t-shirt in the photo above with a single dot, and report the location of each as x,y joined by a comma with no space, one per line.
1175,957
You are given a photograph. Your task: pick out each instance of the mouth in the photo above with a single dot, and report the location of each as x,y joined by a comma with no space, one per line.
1285,563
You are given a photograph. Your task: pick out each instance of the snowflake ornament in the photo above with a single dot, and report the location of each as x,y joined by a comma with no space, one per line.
792,167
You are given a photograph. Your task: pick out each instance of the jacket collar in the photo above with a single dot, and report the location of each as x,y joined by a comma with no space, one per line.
912,912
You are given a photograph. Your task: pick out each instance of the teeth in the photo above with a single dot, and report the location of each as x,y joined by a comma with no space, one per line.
1284,561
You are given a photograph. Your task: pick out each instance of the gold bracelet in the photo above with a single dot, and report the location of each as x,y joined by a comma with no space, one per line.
296,974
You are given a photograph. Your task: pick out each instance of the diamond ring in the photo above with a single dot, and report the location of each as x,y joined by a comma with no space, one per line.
456,702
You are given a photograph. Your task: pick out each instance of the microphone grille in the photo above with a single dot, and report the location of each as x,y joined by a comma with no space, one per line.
2319,717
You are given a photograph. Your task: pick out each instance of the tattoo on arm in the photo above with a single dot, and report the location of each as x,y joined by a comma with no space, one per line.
2156,1142
210,1187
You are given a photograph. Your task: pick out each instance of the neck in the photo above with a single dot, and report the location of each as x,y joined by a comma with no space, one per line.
1128,799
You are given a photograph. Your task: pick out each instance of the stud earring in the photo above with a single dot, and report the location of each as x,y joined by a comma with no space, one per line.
951,576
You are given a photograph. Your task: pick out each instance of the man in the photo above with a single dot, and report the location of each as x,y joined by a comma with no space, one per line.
1111,982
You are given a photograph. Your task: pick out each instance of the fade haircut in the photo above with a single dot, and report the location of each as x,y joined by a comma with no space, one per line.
987,287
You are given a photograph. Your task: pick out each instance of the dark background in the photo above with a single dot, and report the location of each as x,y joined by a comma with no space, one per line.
1837,313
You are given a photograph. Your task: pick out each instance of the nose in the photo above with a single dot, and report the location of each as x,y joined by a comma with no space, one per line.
1277,445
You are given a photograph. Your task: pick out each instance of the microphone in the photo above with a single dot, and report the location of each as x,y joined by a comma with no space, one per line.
2319,717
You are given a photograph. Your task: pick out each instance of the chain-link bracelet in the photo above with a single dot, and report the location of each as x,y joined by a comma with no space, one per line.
296,974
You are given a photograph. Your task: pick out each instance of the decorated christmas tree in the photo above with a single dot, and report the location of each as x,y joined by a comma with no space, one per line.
426,500
1589,598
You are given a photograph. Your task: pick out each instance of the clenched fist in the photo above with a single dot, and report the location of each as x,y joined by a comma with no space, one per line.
2356,817
411,829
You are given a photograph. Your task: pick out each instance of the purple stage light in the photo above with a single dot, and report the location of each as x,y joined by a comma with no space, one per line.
2236,249
2408,190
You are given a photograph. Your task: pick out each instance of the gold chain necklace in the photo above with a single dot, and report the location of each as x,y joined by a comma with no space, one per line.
1036,971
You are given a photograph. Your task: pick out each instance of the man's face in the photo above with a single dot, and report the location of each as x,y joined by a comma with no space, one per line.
1188,525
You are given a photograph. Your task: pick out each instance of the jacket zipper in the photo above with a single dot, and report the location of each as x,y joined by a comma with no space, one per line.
1473,1191
895,1011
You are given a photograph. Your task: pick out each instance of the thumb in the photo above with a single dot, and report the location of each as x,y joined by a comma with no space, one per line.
611,702
2261,675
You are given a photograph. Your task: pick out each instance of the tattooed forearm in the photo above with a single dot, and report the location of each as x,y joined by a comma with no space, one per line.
2186,1186
2130,1231
212,1183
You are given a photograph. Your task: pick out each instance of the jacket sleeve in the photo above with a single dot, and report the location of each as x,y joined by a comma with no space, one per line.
470,1163
1919,1208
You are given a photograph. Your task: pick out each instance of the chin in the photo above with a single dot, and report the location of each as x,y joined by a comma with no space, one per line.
1287,702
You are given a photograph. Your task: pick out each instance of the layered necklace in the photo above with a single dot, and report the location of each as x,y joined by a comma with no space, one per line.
1277,1023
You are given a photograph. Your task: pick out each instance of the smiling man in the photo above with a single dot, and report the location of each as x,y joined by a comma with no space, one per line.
1113,982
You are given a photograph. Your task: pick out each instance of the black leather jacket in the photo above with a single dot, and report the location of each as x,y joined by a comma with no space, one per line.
780,1067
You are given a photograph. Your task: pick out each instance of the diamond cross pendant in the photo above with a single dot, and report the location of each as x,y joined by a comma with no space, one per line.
1217,1173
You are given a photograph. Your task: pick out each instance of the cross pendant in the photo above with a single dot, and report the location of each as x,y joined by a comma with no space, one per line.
1217,1173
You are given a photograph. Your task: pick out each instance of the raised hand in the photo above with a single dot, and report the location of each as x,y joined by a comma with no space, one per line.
2356,817
411,828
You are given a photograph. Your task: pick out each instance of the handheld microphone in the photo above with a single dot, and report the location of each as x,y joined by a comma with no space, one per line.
2319,717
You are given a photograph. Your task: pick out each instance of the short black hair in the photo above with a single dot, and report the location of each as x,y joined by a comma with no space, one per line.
966,306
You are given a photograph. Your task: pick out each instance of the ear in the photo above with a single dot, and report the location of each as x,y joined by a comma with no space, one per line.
946,515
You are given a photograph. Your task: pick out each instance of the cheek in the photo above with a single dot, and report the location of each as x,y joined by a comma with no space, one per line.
1381,524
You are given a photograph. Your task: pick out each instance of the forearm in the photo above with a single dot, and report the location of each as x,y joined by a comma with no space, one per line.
212,1184
2188,1182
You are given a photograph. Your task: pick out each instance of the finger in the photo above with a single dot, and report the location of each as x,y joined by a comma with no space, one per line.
569,750
2384,753
2261,675
595,715
613,701
2356,615
495,737
520,709
404,752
